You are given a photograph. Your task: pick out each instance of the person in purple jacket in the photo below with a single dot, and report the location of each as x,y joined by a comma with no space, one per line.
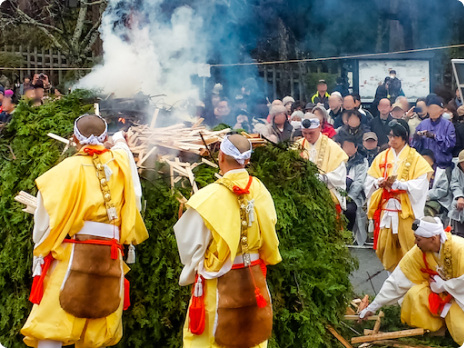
436,133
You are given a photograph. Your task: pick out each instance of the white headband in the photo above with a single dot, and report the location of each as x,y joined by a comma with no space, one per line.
229,149
92,139
429,229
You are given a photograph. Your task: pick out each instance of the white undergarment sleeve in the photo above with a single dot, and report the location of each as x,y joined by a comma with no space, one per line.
49,344
336,180
122,145
455,287
193,238
41,222
392,291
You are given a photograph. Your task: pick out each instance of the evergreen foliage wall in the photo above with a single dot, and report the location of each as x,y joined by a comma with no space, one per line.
310,287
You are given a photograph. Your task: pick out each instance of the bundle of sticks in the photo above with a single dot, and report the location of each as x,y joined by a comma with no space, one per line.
195,139
28,200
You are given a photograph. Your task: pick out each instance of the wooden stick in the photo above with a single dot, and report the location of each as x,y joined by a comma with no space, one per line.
377,323
211,164
339,337
154,118
144,158
388,335
356,317
63,140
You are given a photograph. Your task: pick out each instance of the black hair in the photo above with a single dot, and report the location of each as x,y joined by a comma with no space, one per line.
356,96
421,100
428,152
400,128
393,72
350,139
353,113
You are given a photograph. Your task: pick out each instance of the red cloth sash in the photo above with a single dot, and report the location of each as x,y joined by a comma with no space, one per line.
37,284
436,302
386,195
113,243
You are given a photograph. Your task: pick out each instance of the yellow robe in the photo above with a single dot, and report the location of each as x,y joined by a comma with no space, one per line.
392,247
415,308
329,157
221,214
71,195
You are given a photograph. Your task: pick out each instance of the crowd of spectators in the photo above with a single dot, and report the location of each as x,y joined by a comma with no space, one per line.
435,127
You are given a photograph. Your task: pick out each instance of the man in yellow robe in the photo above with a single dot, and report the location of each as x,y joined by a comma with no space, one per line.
327,155
396,188
82,220
429,281
226,238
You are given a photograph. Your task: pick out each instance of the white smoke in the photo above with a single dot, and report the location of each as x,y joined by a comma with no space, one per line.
151,54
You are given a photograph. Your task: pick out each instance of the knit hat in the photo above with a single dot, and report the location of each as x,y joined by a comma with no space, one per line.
397,106
370,135
287,100
277,109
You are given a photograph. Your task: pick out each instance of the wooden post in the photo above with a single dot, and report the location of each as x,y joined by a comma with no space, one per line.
339,337
388,335
60,72
21,72
377,323
274,82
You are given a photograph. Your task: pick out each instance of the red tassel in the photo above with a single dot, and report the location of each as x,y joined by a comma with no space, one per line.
37,290
448,229
197,310
114,250
126,294
260,300
92,152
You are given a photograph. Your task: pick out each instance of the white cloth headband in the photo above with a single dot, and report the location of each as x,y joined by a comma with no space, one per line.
229,149
92,139
429,229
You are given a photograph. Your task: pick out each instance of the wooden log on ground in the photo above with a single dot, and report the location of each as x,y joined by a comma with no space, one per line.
356,317
388,335
339,337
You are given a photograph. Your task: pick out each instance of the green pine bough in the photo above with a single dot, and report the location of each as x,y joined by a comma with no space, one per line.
310,288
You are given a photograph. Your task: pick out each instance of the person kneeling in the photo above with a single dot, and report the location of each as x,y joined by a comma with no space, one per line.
428,282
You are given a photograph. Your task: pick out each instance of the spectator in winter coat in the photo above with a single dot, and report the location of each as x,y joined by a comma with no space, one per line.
336,109
380,124
456,213
321,96
356,172
371,148
288,102
416,115
353,129
279,130
327,128
350,103
436,134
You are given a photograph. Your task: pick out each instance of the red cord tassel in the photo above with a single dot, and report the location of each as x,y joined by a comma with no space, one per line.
126,294
197,309
37,290
260,300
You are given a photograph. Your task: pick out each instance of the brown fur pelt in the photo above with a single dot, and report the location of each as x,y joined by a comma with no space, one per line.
241,323
93,287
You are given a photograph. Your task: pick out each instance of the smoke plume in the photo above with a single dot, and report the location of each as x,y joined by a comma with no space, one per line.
149,49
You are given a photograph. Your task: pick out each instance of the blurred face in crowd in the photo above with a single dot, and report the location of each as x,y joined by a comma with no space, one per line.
397,113
311,135
335,103
354,121
30,94
370,144
1,97
322,88
345,118
421,104
348,103
280,119
289,107
384,107
458,94
222,109
429,160
35,79
319,115
39,93
349,148
27,80
7,105
435,111
404,103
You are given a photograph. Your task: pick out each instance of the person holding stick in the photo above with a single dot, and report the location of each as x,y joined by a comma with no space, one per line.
226,238
428,282
87,209
396,188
